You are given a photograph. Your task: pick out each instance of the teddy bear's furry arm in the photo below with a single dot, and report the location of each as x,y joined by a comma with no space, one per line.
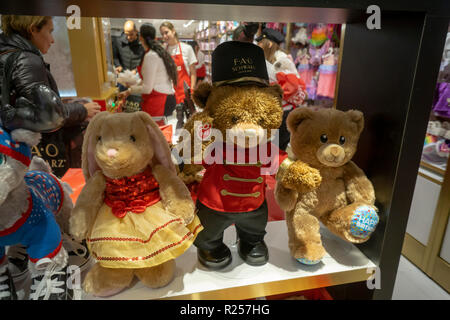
294,177
201,118
299,176
88,203
190,170
190,173
357,187
175,196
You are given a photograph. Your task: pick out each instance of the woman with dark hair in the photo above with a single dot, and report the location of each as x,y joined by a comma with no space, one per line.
184,58
200,65
159,75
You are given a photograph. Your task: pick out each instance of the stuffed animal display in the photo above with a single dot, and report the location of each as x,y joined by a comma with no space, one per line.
325,139
34,209
135,213
239,103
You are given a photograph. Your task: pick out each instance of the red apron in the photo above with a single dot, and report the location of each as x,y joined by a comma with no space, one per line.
183,76
201,72
154,102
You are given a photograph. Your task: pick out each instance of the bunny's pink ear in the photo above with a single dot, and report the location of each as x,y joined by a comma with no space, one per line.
88,162
162,154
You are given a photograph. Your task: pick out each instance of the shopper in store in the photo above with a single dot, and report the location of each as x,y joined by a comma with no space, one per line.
200,65
159,75
184,58
33,88
281,69
33,92
127,49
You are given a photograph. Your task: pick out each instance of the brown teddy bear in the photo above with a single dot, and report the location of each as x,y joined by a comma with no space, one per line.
325,139
135,213
245,111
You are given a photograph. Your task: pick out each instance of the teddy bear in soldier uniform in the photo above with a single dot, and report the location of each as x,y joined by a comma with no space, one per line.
241,113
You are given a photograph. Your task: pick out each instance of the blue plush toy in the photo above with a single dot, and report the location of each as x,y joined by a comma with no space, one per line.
31,201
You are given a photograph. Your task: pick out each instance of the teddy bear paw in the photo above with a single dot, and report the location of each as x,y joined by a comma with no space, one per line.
308,262
364,221
186,178
301,177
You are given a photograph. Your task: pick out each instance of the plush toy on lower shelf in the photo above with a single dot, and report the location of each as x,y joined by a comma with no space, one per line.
135,213
34,208
326,140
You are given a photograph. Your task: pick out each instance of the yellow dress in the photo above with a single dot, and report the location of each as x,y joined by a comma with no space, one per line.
133,230
140,240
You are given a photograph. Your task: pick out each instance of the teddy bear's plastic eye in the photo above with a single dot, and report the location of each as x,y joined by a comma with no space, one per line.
234,119
99,138
133,138
2,159
341,140
323,138
261,122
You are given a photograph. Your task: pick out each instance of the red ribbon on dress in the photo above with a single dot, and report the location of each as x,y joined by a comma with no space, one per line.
132,194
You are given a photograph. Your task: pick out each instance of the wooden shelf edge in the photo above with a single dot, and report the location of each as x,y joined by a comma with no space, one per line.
414,251
432,167
441,272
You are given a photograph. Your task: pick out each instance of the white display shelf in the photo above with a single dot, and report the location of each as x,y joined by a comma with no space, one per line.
344,263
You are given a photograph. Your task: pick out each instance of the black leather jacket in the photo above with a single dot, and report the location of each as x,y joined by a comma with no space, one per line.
127,54
28,71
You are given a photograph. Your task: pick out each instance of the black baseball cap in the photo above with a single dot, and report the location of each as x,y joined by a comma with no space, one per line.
271,34
238,63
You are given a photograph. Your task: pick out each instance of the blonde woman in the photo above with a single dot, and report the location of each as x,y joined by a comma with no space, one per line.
34,104
184,57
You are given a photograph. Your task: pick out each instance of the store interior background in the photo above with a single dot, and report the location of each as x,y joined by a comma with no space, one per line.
208,35
428,231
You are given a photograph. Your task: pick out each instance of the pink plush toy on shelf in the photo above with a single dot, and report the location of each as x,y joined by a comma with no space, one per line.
326,83
305,70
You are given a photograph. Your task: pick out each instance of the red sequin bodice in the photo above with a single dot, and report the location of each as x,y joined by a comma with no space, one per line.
132,194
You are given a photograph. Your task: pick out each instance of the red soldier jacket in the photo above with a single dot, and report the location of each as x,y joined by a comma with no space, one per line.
237,186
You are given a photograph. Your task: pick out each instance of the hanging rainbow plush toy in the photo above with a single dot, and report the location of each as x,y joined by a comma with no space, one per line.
318,35
429,139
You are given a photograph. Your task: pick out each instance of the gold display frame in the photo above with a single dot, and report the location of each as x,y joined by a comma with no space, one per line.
88,50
